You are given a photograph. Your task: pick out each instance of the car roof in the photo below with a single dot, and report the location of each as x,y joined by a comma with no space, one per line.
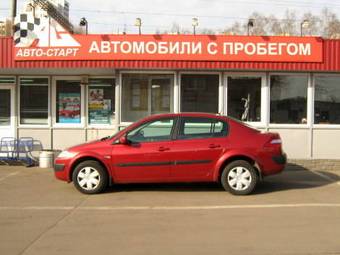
186,114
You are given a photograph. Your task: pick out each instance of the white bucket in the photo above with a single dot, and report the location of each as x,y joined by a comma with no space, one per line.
46,159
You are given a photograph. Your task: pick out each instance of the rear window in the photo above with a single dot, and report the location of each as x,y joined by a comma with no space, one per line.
243,123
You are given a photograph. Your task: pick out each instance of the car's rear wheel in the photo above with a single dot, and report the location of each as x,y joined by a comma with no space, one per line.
89,177
239,177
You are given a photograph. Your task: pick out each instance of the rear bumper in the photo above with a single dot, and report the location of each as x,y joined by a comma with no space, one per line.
281,159
273,164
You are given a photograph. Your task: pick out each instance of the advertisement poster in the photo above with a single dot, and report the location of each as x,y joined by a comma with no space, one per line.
69,108
99,108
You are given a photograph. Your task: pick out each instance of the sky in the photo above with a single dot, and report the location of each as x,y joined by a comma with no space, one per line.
112,16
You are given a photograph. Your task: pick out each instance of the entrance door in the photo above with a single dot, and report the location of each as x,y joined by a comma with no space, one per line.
7,118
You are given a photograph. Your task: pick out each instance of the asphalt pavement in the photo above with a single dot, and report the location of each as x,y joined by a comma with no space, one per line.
296,212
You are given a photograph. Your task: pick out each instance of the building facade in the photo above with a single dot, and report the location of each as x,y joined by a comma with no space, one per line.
65,102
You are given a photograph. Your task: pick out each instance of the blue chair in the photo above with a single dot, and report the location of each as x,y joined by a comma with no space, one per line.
25,147
8,149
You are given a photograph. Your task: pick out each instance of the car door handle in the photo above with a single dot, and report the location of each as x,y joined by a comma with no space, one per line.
213,146
163,149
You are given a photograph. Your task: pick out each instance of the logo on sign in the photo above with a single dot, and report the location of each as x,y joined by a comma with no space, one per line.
42,37
43,32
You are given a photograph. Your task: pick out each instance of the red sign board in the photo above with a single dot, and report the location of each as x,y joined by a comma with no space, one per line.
64,46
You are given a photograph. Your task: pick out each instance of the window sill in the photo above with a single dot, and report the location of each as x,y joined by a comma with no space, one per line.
68,126
100,126
29,126
289,126
326,126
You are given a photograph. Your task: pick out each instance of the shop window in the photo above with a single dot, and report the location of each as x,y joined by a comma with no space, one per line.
68,95
244,98
327,100
5,107
101,101
199,93
144,95
34,101
288,99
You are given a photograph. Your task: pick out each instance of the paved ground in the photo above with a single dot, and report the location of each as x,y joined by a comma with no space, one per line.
297,212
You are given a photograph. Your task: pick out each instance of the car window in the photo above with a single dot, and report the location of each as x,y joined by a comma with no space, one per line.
158,130
194,128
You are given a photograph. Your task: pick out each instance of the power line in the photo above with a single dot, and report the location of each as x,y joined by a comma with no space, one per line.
193,15
277,3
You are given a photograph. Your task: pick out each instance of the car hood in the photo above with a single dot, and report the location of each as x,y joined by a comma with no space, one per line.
88,145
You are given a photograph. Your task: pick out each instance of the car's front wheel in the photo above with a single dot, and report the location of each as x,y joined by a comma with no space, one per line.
239,177
89,177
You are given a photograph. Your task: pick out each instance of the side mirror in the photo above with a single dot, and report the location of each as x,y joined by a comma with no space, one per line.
123,140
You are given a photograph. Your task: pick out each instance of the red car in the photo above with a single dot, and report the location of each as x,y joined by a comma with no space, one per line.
185,147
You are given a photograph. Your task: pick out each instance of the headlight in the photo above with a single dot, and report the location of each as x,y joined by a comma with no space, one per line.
66,154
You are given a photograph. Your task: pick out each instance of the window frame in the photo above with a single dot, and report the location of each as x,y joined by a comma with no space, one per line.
114,120
82,123
264,95
172,134
181,122
321,126
49,119
308,101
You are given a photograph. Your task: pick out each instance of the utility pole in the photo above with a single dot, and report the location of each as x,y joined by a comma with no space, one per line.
13,13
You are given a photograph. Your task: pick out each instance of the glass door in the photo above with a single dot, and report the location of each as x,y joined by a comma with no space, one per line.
146,94
7,128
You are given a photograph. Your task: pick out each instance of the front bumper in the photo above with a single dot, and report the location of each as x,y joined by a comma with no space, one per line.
61,169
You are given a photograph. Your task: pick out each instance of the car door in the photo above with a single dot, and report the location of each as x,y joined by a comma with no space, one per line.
146,157
199,143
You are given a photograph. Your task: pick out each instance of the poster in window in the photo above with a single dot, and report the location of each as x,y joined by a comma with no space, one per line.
69,108
99,108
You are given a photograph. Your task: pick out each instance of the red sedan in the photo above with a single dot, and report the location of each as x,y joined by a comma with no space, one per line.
185,147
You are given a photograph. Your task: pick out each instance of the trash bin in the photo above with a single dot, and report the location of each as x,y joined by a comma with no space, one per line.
46,159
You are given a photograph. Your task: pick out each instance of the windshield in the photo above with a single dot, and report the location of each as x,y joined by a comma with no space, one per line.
116,133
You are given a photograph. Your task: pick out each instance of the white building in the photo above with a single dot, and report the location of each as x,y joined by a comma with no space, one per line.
62,6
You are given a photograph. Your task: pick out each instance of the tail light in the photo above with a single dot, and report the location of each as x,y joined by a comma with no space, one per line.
274,143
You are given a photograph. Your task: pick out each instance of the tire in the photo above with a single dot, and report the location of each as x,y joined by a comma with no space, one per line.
239,178
89,177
